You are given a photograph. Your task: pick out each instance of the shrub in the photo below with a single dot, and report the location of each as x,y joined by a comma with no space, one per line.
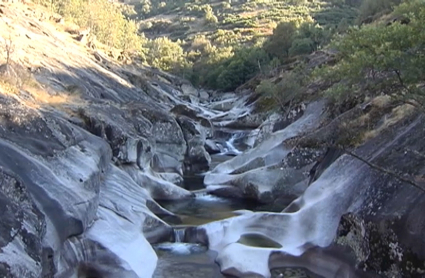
381,59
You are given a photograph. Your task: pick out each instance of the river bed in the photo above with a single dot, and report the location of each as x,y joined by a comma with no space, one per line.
186,260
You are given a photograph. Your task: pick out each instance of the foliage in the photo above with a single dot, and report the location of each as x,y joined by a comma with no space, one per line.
373,8
166,54
217,44
281,41
212,32
288,39
282,95
227,70
301,46
381,59
331,16
241,67
104,19
210,18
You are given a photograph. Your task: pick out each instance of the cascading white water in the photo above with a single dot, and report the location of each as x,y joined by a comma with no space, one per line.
178,235
230,144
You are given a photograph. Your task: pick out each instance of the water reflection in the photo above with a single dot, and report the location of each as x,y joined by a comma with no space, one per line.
205,208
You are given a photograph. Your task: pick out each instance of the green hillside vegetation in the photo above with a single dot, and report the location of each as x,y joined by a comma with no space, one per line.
223,41
217,44
223,44
385,58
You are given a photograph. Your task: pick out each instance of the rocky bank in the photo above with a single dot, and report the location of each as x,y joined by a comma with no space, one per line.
89,145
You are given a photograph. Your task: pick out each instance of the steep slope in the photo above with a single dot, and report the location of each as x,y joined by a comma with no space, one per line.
231,22
89,144
77,140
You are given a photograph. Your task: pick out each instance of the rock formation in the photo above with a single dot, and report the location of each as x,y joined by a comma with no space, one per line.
88,146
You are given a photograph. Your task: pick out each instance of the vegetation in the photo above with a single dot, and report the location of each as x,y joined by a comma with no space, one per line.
104,19
223,44
372,9
165,54
384,58
285,92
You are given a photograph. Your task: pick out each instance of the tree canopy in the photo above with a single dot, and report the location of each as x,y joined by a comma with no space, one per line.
384,58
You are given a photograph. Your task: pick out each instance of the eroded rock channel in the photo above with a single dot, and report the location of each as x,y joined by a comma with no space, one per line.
132,172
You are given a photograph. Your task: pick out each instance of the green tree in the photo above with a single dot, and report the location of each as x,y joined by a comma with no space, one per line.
105,20
167,55
146,6
317,34
210,18
372,8
283,95
281,41
382,59
301,46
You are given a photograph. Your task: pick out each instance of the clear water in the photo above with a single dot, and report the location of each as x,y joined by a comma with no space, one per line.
186,260
182,260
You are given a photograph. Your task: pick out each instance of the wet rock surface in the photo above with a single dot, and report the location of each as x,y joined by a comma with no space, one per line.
80,178
80,168
271,170
379,231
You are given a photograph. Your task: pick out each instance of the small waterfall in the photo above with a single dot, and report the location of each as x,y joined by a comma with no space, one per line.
179,235
229,144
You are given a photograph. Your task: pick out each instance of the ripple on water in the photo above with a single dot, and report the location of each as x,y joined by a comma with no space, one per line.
180,248
210,198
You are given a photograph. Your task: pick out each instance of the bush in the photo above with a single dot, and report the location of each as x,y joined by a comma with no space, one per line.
283,95
374,8
280,42
301,46
166,55
381,59
105,20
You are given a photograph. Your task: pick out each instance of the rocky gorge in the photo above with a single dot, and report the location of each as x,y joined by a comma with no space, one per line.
95,156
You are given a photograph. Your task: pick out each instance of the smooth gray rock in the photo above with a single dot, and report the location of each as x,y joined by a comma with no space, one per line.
197,158
263,173
385,235
60,166
158,188
211,147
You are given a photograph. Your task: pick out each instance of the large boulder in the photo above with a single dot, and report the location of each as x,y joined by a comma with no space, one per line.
86,145
271,170
197,158
66,209
384,230
61,167
149,144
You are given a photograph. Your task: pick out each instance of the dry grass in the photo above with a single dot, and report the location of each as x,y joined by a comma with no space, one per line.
381,101
397,114
33,95
381,116
252,13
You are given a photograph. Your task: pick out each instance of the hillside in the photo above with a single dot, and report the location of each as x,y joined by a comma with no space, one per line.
232,23
215,34
312,164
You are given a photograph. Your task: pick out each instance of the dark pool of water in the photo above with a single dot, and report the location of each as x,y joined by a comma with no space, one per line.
205,208
182,260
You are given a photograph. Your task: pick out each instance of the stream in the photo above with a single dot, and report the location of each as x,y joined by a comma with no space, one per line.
186,260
